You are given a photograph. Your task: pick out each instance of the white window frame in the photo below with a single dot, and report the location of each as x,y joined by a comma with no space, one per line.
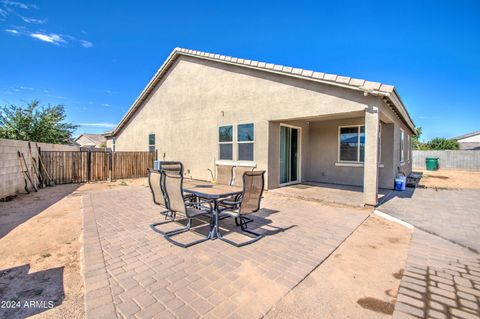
358,143
237,142
408,145
232,142
154,143
113,143
402,146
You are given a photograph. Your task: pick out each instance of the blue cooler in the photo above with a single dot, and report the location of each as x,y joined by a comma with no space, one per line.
398,184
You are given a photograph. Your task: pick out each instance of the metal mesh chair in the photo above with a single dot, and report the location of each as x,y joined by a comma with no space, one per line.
237,181
177,203
224,174
253,184
154,181
238,174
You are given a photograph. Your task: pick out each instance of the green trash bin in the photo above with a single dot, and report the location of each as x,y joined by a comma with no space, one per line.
431,163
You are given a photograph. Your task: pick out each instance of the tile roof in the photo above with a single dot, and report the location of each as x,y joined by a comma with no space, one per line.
308,74
368,87
95,138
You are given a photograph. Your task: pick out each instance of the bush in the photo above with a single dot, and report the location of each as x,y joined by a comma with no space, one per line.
441,143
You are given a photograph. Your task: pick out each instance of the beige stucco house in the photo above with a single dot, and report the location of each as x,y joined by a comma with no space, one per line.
91,140
300,126
470,141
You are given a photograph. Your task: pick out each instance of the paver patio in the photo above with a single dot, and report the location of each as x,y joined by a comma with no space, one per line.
131,271
441,280
451,214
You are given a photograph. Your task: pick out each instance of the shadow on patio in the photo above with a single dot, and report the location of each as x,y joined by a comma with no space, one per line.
228,229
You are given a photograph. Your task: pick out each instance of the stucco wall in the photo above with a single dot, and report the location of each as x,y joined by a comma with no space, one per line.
324,165
11,178
323,154
188,105
84,141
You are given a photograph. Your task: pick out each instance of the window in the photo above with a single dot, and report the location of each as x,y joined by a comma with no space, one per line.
151,142
243,138
113,144
225,141
245,141
402,140
352,143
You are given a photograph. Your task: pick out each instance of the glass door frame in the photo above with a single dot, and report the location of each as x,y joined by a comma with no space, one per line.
299,154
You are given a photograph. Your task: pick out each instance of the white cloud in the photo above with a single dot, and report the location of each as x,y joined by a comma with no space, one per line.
50,38
105,104
12,31
86,44
17,4
34,21
108,125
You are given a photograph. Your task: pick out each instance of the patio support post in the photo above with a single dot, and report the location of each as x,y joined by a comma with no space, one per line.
370,169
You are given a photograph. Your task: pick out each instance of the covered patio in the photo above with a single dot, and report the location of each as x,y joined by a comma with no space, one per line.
345,158
343,195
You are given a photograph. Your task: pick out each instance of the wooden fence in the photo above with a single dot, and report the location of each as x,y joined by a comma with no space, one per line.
131,164
66,167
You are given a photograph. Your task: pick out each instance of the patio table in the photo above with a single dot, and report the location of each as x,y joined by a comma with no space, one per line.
213,192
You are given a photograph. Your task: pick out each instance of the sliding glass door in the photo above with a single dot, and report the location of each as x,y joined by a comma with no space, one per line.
289,154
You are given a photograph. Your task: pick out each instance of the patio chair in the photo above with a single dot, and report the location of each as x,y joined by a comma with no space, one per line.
237,181
238,174
253,184
176,203
224,174
155,181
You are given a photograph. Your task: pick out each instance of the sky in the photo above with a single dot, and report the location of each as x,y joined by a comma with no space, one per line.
95,57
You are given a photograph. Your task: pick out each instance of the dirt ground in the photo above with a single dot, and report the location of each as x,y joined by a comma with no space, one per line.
40,249
359,280
449,179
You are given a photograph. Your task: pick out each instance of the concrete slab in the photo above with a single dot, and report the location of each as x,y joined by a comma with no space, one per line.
451,214
346,195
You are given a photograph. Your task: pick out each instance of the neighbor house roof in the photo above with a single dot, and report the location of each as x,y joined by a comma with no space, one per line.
387,92
96,139
461,137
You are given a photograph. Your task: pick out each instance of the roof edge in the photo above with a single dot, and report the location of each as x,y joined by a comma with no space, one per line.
374,88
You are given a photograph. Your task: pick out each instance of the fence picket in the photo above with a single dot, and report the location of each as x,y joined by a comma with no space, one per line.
86,165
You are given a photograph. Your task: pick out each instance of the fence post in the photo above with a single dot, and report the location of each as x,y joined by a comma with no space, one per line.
110,165
89,165
40,168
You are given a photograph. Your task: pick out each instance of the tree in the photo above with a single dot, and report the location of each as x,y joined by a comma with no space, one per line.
441,143
35,123
416,143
